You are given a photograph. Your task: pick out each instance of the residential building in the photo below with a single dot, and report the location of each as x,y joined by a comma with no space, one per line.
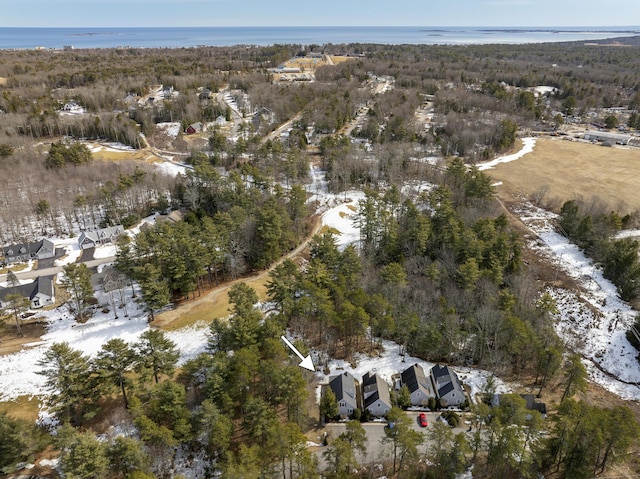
26,251
375,395
194,128
39,292
344,388
91,239
447,386
419,385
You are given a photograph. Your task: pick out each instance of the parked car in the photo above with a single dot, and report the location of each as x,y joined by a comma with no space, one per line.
422,419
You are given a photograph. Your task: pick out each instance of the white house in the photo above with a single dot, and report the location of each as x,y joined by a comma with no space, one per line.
91,239
39,292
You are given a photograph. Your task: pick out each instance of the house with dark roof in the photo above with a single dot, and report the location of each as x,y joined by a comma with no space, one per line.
39,292
447,386
375,395
18,253
91,239
419,385
344,388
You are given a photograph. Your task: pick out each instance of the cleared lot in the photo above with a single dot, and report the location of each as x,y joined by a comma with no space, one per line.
567,170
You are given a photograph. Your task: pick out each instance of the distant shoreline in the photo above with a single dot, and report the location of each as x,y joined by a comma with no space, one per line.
16,38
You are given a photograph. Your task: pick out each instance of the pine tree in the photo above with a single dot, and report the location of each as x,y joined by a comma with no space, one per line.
575,376
86,458
16,306
127,456
77,282
157,354
13,441
404,439
114,360
155,290
328,404
70,382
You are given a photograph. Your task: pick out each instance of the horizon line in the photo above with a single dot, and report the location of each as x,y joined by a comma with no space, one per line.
335,26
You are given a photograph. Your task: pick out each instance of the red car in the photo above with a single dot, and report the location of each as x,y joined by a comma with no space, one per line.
422,419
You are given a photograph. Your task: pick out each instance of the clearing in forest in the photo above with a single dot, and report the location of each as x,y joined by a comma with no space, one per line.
566,170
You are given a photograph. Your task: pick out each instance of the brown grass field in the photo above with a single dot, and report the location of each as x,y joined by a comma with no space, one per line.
570,170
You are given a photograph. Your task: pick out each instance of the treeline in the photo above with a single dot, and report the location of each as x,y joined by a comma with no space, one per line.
113,127
451,272
593,230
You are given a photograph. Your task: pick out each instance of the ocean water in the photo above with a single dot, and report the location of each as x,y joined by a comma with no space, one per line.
27,38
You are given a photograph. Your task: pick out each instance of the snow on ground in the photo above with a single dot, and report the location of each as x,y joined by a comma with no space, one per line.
171,168
341,218
19,371
171,129
543,90
390,362
72,253
190,340
628,234
527,147
338,210
593,321
105,251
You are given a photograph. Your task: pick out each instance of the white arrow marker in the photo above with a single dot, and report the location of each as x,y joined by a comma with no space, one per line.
307,362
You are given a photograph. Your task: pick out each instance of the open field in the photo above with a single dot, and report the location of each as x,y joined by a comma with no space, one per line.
567,170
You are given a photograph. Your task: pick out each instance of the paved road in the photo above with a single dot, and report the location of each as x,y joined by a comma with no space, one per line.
33,274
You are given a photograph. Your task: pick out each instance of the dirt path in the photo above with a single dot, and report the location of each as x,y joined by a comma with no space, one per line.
189,308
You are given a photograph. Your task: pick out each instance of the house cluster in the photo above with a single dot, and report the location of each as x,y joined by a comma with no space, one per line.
373,394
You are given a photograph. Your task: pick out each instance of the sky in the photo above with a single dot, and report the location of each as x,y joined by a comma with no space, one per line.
183,13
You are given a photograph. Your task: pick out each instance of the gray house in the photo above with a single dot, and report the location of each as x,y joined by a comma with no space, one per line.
344,388
25,251
375,392
91,239
448,387
419,385
40,292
